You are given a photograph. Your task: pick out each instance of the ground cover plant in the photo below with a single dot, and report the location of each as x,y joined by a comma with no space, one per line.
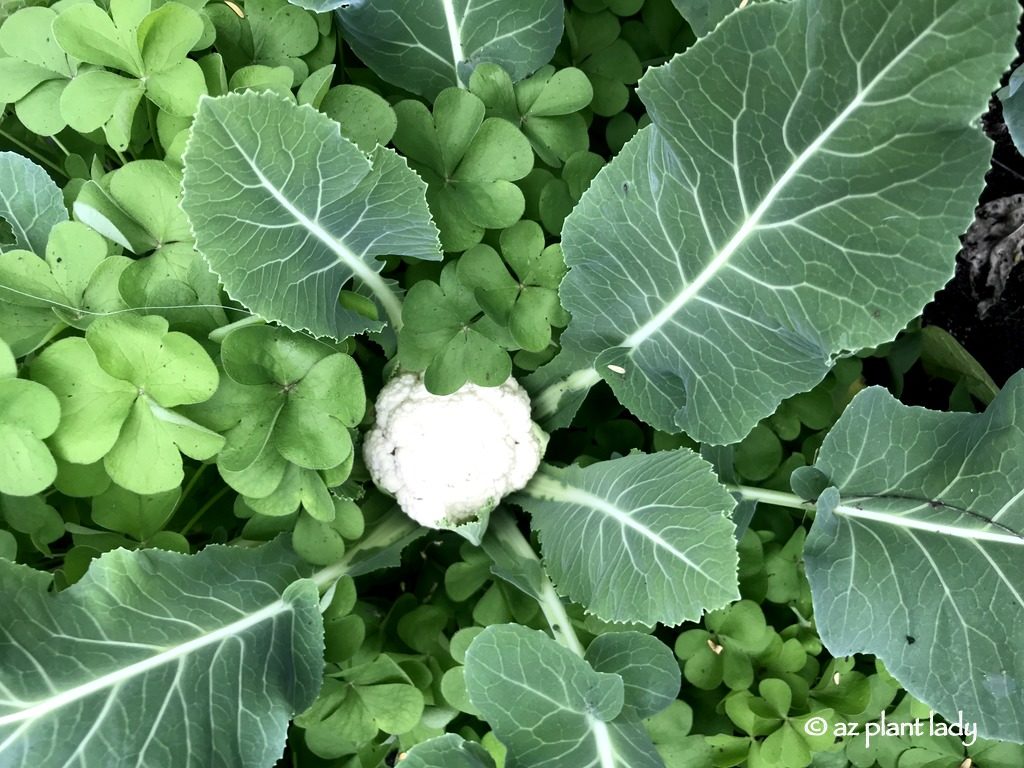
444,384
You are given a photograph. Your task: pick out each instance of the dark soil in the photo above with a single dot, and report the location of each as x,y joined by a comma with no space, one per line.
997,339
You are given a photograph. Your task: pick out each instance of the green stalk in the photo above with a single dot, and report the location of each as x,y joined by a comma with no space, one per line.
546,403
505,531
204,509
33,153
389,530
218,334
778,498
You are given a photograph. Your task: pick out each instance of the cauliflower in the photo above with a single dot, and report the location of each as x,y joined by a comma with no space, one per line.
448,459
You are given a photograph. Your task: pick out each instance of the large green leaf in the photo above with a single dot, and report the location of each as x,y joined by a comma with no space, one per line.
287,211
660,544
704,15
799,195
448,751
915,554
159,659
30,202
548,706
428,45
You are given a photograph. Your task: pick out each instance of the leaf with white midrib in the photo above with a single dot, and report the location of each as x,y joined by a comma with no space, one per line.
549,707
916,550
660,542
287,211
158,659
704,15
798,195
425,46
30,203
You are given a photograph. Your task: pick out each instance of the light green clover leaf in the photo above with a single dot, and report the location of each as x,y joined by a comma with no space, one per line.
74,283
358,702
273,34
149,47
29,413
366,118
35,70
117,388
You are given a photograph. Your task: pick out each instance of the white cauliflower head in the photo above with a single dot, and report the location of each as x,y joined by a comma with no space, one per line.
448,459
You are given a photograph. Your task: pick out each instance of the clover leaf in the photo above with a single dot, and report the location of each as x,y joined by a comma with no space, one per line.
75,281
446,334
366,118
285,406
117,388
525,301
323,542
596,47
469,162
559,196
29,413
138,207
788,744
545,105
358,702
35,71
138,516
177,283
33,517
273,34
149,47
724,651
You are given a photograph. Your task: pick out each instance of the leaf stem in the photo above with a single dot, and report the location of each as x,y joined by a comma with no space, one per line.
204,509
33,153
778,498
219,334
190,485
550,398
389,530
61,146
505,530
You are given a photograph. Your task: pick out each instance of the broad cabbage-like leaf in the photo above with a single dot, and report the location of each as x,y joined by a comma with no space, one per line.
287,211
448,751
704,15
426,46
30,203
660,542
649,671
915,554
799,195
549,706
158,659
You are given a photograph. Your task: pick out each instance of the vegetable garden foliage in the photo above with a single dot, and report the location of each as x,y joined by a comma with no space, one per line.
210,256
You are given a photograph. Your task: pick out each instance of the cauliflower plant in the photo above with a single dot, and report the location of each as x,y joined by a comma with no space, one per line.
448,459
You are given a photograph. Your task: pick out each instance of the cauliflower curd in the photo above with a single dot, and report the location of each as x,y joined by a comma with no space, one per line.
448,459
